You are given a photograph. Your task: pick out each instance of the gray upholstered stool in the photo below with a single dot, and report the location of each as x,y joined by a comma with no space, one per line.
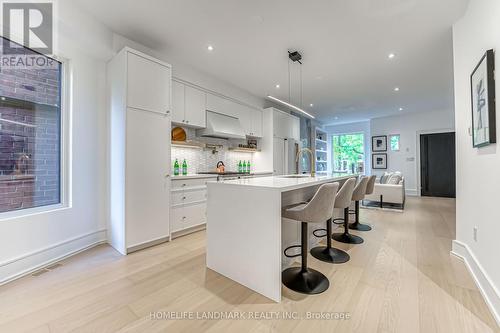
359,194
328,253
343,203
357,197
303,279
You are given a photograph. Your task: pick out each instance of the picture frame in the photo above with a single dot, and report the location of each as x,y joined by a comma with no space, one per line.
379,161
483,106
379,143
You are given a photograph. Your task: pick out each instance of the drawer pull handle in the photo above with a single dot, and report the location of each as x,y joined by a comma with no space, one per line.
183,185
183,198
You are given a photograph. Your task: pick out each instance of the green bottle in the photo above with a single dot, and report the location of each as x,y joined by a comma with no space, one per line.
176,167
248,167
184,168
239,166
244,167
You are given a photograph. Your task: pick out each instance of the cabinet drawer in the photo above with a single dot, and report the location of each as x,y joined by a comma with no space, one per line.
187,197
187,216
186,183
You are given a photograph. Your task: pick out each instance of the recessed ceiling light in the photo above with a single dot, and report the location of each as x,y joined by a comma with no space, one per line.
335,117
391,56
3,98
210,48
277,86
311,105
401,109
396,89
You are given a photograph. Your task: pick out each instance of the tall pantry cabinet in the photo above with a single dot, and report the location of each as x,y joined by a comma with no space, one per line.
139,90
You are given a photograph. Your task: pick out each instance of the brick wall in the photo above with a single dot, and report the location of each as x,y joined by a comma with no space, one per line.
29,138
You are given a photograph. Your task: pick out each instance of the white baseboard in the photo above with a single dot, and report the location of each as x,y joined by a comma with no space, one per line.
411,192
28,263
486,287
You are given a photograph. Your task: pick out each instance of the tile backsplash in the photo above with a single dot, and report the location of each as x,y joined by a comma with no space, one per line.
202,160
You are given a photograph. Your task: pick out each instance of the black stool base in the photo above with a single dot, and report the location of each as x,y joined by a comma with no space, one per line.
306,282
348,238
331,255
360,227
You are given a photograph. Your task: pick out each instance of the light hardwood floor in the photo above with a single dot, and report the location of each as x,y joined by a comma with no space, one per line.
402,279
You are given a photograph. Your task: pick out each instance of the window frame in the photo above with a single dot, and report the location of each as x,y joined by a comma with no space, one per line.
399,142
65,201
332,148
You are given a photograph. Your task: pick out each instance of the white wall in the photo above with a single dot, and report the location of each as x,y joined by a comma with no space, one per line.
29,241
359,127
408,126
478,170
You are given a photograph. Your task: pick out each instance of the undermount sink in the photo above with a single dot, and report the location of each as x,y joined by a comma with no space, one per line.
296,176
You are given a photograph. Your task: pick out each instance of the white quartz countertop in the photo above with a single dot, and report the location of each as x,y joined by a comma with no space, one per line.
283,183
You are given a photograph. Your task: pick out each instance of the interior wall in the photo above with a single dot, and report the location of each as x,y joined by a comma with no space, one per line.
477,169
30,241
408,126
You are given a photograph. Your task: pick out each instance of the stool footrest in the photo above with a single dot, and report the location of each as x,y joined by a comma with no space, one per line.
320,236
339,219
292,255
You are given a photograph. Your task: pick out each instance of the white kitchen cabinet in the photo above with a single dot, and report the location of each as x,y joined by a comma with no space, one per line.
178,102
139,151
146,178
285,125
222,105
251,120
189,106
195,107
278,156
189,210
256,116
295,125
148,83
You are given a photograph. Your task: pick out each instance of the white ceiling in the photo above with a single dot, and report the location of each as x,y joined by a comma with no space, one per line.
344,43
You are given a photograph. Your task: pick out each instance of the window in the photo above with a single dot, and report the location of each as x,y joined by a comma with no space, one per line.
348,152
30,135
394,141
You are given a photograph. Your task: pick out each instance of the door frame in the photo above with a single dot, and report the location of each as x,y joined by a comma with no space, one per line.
417,154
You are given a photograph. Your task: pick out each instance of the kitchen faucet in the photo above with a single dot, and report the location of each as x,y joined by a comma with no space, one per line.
313,161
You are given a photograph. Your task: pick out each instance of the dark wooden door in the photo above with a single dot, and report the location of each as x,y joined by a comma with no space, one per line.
437,165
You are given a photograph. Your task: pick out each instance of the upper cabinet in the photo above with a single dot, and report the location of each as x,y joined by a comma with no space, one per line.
189,105
285,125
256,123
251,120
222,105
146,82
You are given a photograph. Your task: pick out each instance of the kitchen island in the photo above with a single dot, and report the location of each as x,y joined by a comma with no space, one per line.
245,234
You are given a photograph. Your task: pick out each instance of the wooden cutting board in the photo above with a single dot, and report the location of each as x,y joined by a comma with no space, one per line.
178,134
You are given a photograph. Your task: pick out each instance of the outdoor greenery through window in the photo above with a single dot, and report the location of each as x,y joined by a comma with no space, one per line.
30,134
348,152
394,139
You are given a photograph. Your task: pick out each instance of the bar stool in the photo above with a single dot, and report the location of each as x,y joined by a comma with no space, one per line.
303,279
370,185
358,195
328,253
346,237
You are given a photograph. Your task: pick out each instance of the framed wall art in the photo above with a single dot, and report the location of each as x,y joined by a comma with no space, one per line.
379,161
482,83
379,143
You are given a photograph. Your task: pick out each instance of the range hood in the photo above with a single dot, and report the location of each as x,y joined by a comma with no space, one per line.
222,127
